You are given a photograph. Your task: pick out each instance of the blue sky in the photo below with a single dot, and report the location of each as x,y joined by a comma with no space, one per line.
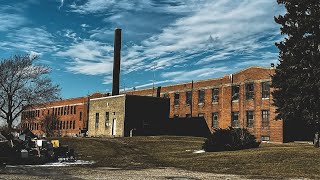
164,41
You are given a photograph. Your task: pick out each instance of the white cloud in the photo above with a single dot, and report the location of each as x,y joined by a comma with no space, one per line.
30,39
9,21
201,73
89,57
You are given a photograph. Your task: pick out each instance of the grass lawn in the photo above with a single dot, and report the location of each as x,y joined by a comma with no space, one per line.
268,161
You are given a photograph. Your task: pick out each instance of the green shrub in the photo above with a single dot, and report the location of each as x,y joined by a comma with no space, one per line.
230,139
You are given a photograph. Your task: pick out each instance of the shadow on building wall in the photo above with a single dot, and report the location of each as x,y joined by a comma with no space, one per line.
297,130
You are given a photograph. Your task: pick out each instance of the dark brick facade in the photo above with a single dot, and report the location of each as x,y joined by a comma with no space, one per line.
251,106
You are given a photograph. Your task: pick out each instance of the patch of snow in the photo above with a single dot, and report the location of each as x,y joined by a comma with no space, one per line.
58,164
199,151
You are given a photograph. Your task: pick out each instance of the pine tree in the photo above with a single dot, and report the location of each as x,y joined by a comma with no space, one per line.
297,78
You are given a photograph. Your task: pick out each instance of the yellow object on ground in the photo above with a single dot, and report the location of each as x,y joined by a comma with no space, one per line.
55,143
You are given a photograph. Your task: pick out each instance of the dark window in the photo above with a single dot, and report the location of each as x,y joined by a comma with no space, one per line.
235,119
67,126
71,109
64,125
215,122
74,110
58,110
265,89
250,119
70,125
80,116
265,118
265,138
97,120
176,98
215,95
74,124
201,115
48,111
201,96
64,110
188,116
235,92
249,91
68,109
188,97
107,119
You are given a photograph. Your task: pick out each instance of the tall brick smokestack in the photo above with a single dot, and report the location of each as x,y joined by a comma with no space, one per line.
116,62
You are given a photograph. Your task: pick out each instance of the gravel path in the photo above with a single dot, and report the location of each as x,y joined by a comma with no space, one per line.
27,173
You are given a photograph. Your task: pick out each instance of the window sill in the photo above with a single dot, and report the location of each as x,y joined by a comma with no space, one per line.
249,99
235,101
265,98
176,106
215,103
200,104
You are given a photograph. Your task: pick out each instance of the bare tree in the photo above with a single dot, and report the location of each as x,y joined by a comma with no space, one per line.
23,83
50,124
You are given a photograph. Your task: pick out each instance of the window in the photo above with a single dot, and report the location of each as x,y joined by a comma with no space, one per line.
201,115
201,96
188,116
70,125
176,98
71,109
107,119
64,110
215,122
249,91
188,97
67,125
265,118
97,120
166,95
64,125
68,110
215,95
235,92
74,110
250,119
265,138
235,119
74,125
80,116
265,89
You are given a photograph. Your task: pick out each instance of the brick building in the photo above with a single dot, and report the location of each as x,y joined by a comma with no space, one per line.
71,115
242,99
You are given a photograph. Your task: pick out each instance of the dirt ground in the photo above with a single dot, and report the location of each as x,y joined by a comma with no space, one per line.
83,172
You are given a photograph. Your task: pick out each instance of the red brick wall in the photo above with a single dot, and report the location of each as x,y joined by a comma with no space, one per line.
225,106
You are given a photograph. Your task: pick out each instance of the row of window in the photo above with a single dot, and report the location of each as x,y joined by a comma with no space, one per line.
65,110
32,126
215,93
31,114
64,125
106,119
265,114
235,118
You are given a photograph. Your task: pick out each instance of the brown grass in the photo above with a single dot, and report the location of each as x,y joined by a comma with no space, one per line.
268,161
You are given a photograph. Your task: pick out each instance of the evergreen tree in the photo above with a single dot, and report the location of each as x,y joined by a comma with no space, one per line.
297,77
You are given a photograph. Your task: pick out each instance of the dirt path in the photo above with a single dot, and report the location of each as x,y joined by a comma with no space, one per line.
79,173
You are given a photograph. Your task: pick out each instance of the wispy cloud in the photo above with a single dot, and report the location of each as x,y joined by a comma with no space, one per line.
9,21
30,39
61,4
89,57
196,74
205,33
